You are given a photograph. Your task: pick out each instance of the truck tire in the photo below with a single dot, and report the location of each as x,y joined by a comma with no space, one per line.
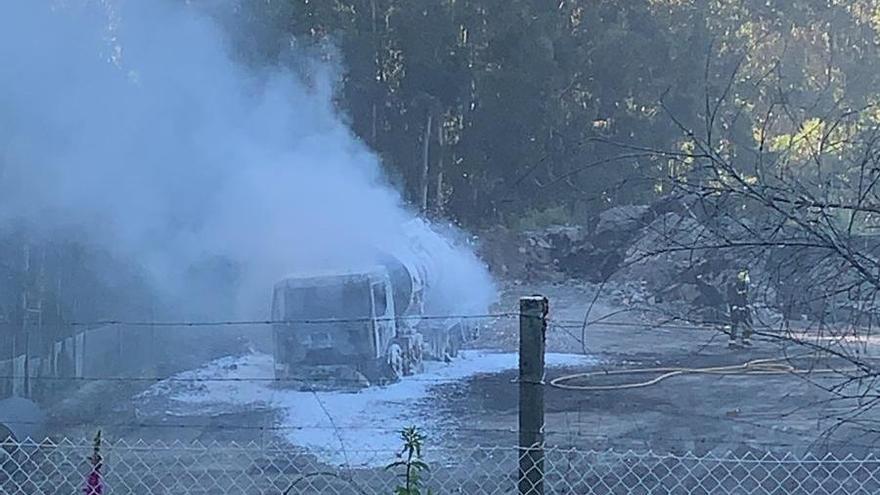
395,362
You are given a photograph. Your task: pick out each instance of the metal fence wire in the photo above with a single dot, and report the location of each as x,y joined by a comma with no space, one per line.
182,469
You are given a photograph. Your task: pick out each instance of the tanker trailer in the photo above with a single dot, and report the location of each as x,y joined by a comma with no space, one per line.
441,333
415,269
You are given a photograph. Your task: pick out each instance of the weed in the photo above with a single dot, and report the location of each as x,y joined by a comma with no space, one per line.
411,462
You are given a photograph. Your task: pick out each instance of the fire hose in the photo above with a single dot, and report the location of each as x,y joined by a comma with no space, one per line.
766,366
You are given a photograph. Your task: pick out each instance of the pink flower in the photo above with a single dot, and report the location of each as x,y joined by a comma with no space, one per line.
94,482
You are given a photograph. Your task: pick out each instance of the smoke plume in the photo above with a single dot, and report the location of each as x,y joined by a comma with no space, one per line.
131,124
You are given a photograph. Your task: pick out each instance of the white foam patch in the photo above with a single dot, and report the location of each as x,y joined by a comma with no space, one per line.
357,429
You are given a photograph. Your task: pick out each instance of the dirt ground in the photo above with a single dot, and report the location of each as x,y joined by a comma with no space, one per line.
693,412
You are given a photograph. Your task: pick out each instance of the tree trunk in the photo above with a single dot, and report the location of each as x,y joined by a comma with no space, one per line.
373,129
378,63
441,159
426,148
438,193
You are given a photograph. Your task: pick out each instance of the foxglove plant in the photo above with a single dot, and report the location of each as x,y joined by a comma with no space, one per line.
95,482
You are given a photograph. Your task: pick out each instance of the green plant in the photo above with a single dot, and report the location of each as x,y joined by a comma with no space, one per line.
411,462
94,481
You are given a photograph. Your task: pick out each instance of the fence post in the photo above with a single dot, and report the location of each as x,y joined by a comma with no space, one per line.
532,328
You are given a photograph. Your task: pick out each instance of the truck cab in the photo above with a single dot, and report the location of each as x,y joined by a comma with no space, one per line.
337,325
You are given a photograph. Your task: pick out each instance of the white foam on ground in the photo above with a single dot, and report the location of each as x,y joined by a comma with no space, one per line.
357,429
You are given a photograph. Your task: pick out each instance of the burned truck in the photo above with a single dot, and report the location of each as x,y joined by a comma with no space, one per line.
356,327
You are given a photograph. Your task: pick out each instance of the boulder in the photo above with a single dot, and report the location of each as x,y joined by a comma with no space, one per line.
618,225
627,218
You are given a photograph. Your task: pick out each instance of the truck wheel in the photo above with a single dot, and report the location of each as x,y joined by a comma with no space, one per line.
395,362
417,357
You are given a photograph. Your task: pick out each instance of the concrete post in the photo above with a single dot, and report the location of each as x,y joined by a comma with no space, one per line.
532,330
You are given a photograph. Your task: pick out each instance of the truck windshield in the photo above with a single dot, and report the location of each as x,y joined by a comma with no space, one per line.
345,300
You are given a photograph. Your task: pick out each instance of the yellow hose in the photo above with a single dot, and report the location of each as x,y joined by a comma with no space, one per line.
767,366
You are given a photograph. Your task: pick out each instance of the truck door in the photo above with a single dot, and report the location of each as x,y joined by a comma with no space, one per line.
383,316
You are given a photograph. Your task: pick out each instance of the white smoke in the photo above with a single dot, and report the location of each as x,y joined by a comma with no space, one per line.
134,126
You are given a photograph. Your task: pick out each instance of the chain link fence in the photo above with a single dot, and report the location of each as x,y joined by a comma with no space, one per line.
184,469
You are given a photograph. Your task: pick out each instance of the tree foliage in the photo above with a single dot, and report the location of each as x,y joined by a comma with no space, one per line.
530,100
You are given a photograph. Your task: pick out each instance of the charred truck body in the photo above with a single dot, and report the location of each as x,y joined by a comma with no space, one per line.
358,327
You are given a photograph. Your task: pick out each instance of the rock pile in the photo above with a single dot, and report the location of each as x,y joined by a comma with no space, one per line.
660,258
566,251
674,255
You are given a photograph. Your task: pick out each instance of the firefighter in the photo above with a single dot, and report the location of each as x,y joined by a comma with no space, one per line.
740,313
